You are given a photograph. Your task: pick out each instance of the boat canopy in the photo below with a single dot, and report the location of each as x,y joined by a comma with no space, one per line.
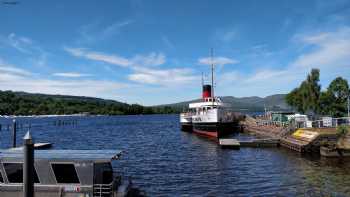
77,155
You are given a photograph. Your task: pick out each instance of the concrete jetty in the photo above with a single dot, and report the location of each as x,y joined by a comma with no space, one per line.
37,146
229,143
234,143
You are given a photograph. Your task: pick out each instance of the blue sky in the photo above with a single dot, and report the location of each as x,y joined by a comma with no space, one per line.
153,52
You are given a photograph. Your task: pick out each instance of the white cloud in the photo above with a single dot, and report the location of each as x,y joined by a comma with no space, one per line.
216,61
71,75
331,49
328,51
169,77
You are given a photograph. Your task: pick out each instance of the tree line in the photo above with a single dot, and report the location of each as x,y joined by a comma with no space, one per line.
309,98
20,103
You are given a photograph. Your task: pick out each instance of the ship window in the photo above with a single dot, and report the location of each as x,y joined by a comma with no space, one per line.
103,173
14,173
65,173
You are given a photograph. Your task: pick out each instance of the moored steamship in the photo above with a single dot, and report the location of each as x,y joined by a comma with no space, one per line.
209,117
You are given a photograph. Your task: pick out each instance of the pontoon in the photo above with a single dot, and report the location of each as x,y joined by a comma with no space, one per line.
64,173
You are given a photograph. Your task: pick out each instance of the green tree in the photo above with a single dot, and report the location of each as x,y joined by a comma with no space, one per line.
334,99
314,91
306,97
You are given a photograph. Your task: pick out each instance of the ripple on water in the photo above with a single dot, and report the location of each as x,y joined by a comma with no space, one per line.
166,162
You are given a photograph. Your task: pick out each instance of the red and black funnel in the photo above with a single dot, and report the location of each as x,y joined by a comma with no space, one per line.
206,91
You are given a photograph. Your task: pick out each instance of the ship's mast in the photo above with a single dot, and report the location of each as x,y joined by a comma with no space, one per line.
212,72
202,79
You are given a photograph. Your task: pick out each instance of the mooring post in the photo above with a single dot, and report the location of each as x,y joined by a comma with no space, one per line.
14,133
28,166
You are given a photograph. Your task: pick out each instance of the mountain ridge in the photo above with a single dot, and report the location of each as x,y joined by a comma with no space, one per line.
251,103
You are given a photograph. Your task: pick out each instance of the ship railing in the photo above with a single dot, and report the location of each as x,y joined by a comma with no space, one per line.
187,114
103,190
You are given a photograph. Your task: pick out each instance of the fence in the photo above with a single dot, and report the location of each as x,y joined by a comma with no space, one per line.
325,122
331,122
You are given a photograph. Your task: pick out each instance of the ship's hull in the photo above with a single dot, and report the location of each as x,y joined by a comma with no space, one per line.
186,122
214,130
186,127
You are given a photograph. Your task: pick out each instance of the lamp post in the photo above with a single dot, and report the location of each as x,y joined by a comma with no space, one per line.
28,166
349,105
14,133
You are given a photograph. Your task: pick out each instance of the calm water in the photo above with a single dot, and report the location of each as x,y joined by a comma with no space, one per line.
166,162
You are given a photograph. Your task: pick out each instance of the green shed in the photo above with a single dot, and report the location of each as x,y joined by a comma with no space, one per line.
280,116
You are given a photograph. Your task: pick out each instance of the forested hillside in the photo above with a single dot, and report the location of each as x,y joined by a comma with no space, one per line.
20,103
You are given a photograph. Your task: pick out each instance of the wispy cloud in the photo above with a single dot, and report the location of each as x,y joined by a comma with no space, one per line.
167,42
32,50
217,61
115,28
98,56
95,31
140,65
10,69
153,59
226,35
16,79
71,75
20,43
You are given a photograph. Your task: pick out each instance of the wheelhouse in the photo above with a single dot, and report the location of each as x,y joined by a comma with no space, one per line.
64,173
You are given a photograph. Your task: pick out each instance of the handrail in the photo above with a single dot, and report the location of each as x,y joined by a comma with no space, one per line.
102,190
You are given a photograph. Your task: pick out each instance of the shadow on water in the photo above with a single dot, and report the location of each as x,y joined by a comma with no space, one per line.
164,161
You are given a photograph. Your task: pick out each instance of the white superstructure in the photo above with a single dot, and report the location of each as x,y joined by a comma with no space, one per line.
211,110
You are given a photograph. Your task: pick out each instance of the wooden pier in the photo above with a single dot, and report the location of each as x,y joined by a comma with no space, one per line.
309,140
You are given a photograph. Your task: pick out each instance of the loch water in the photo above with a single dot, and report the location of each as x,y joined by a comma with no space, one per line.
163,161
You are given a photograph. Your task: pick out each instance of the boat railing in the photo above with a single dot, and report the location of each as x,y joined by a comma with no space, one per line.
187,113
103,190
331,122
106,190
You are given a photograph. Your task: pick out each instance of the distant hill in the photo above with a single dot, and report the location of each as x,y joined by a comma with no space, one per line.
22,103
253,103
